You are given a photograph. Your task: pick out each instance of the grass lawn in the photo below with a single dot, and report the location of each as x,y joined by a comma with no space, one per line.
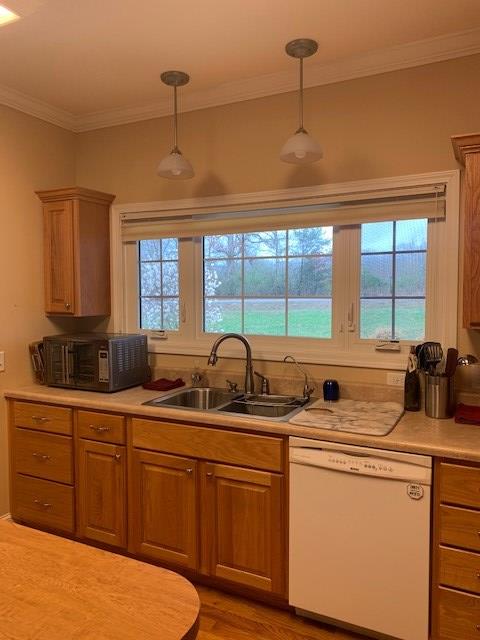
312,318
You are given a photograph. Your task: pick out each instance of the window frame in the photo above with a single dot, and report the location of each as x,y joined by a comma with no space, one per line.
345,348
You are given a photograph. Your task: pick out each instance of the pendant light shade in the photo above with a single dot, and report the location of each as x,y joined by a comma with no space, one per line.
301,148
175,166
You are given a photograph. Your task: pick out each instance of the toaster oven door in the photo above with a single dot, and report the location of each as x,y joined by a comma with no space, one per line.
83,364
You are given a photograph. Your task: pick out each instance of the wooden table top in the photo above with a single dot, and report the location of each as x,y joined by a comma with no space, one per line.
52,588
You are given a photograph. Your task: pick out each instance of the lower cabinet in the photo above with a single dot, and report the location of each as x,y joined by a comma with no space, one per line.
236,513
101,492
242,537
163,508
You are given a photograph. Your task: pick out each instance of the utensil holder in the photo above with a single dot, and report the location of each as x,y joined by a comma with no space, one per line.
439,396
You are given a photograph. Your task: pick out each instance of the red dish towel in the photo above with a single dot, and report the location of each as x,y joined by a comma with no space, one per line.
467,414
164,384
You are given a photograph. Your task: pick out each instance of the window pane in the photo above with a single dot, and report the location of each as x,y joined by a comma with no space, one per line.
310,276
222,316
377,237
376,319
170,249
376,275
227,246
265,277
409,319
170,314
223,278
265,317
310,318
308,241
151,313
411,235
265,243
410,274
170,278
150,279
159,279
150,250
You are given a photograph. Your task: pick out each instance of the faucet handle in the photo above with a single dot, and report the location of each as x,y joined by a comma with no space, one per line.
197,378
232,386
265,389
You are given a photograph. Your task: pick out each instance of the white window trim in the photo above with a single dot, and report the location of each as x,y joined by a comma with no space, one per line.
442,280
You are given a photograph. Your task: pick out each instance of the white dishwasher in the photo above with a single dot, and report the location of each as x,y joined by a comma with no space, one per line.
360,537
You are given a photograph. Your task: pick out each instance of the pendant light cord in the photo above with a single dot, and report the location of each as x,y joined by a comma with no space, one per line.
175,134
300,101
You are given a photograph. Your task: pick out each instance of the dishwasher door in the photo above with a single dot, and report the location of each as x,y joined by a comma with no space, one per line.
360,537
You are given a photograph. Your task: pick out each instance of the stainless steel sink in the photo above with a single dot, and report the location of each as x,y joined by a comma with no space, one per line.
272,407
203,398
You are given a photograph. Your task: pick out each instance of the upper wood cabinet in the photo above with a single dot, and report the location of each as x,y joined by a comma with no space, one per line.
467,152
77,251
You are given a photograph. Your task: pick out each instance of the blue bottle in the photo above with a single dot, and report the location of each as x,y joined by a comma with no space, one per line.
330,390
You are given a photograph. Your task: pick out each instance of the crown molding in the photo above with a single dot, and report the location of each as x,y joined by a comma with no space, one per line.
412,54
33,107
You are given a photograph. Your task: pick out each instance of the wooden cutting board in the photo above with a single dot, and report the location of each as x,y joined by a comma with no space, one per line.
52,588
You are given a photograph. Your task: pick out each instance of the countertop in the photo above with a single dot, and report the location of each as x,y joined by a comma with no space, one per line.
415,433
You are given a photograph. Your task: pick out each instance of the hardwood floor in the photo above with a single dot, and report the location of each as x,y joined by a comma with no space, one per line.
226,617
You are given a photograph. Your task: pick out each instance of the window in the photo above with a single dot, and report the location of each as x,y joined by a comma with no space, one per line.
335,289
158,284
276,283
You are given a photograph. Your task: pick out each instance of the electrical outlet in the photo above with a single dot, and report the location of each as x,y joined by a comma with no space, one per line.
2,360
396,379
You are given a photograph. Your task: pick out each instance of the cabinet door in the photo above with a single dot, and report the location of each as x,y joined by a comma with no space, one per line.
59,257
102,492
243,527
163,508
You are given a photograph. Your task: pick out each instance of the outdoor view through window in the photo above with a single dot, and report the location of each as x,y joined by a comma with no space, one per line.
279,283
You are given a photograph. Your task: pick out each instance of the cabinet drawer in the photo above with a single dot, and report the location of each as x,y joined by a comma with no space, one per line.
459,569
458,616
42,417
459,527
43,455
460,484
101,426
44,503
261,452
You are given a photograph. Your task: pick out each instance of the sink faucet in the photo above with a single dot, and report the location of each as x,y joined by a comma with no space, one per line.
212,359
307,390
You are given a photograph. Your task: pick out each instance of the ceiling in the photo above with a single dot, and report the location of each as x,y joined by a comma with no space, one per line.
89,63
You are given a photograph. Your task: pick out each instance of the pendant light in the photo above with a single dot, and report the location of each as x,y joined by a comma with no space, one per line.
175,166
301,148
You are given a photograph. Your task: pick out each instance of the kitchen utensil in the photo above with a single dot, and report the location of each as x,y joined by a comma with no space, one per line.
439,396
451,362
433,355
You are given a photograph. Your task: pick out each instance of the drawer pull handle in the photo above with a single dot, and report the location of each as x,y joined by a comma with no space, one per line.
189,470
99,428
40,418
45,505
40,456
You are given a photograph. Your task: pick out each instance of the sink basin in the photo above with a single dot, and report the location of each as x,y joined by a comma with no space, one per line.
196,398
263,409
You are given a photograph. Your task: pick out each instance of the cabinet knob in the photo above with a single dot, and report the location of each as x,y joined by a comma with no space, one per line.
99,428
117,456
209,474
67,305
40,456
189,470
44,505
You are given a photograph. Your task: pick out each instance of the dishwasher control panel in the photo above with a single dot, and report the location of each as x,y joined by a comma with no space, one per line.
363,464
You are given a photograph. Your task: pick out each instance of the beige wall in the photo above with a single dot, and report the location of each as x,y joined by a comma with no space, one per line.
391,124
386,125
33,155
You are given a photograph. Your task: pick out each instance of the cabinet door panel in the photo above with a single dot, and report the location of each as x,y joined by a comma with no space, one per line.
59,258
243,532
102,492
163,513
